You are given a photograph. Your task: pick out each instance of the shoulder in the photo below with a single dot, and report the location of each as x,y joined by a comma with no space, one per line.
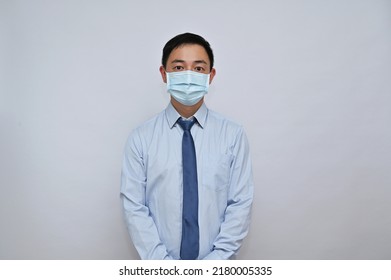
228,132
216,119
145,130
150,124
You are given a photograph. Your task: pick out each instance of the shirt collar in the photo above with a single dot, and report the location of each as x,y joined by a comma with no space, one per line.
172,115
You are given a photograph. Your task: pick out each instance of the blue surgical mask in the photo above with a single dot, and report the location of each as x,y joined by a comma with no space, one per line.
187,87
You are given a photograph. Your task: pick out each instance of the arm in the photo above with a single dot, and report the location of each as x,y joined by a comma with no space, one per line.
238,212
141,226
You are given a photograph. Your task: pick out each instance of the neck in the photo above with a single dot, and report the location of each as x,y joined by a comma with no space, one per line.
186,111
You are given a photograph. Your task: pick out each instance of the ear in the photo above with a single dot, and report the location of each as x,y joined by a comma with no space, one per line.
212,75
163,73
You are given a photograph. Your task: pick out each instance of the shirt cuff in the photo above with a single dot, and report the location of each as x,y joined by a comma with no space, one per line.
216,255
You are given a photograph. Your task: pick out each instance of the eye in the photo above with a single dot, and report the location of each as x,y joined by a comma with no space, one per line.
178,68
199,69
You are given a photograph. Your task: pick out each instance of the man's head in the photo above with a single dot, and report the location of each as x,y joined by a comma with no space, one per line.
187,39
187,68
187,51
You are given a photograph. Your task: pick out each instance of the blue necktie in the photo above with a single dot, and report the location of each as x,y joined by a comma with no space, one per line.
190,231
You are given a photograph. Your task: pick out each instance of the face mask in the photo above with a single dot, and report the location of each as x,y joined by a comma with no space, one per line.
187,87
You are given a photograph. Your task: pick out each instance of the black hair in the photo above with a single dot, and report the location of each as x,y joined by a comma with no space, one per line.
186,39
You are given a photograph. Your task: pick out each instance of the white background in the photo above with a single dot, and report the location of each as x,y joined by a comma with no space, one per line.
309,80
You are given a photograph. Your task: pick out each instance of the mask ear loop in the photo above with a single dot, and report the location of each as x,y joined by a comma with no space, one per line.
167,79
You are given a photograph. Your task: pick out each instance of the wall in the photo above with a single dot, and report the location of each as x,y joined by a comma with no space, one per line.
309,80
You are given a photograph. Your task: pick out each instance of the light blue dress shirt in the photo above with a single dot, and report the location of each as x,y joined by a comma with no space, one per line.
151,185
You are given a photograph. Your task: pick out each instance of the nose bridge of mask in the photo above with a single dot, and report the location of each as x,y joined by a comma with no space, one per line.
188,78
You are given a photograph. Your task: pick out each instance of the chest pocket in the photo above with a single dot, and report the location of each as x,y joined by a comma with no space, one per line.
216,172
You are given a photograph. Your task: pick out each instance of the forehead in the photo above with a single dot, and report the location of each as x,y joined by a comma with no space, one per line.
189,53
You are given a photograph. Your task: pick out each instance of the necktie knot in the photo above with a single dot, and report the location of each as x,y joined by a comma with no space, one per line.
186,124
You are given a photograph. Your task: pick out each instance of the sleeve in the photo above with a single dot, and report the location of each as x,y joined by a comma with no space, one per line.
236,222
141,227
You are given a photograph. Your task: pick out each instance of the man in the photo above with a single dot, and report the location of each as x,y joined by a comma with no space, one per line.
186,183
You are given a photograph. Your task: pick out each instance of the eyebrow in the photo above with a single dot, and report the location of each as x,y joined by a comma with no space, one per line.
200,61
177,61
182,61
